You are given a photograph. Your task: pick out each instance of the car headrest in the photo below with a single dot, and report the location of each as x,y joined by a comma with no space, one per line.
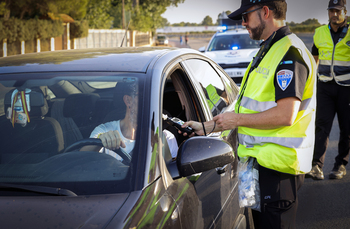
79,104
37,102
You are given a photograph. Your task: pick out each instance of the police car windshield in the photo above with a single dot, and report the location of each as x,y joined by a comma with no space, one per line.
233,42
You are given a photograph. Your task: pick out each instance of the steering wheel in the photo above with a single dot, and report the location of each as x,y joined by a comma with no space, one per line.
97,142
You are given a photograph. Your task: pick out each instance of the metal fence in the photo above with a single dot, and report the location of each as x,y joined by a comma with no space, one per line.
110,38
102,38
97,38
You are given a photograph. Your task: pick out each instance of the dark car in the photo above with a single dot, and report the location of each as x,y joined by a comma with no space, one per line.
51,176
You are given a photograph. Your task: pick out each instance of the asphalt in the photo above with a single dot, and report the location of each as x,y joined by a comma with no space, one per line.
325,203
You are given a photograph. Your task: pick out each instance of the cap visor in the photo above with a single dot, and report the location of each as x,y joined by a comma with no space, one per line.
237,15
335,7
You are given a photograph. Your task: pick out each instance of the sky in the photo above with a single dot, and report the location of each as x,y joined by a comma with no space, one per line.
195,11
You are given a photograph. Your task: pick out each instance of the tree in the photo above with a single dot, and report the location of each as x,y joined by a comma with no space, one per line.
25,9
312,21
97,14
227,12
207,21
165,22
145,15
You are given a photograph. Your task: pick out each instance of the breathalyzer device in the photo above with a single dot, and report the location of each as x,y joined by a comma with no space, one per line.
178,123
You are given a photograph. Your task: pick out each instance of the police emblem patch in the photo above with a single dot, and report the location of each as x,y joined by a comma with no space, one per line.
335,2
284,77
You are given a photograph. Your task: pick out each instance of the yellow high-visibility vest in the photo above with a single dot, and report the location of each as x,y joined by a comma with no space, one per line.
286,149
334,59
215,102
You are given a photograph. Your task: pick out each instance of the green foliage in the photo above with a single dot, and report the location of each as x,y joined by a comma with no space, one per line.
79,29
98,15
26,9
15,29
208,21
182,24
2,8
3,32
307,26
144,17
312,21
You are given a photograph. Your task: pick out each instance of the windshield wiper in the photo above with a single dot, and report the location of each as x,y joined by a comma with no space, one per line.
39,189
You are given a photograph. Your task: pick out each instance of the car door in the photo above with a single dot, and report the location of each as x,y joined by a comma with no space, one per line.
215,188
219,96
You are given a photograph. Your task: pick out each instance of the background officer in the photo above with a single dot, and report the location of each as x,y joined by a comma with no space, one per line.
331,51
275,111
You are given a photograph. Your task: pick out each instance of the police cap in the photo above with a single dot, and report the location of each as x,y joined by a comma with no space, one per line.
246,4
336,4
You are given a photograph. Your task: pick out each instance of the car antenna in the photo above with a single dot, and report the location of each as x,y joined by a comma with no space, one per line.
121,45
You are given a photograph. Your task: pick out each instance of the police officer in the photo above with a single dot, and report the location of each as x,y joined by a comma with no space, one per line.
275,111
331,50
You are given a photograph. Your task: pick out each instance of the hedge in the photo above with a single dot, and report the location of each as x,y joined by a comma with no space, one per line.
15,29
79,29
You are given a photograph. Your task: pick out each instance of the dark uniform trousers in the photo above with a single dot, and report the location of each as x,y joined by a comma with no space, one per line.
279,202
331,99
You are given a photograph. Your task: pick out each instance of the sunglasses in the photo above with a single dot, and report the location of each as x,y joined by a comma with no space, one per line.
245,14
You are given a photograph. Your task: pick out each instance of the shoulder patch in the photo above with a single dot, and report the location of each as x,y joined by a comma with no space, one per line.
284,77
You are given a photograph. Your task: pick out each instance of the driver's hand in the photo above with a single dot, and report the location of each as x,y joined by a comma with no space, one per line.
112,140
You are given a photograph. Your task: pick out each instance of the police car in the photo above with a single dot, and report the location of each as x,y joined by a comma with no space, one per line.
233,50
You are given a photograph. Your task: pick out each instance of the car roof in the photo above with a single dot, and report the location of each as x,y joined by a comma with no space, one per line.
135,59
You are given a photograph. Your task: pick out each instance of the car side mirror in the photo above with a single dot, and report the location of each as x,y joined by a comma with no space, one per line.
200,154
202,49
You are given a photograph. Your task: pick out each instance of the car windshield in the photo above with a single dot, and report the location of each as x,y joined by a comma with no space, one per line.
161,37
233,42
42,121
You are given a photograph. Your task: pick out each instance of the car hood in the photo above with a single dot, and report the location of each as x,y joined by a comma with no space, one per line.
60,212
232,56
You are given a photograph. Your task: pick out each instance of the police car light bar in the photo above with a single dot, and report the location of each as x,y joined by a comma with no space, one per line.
224,28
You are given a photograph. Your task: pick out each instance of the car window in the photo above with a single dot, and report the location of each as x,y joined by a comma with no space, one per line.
161,37
208,80
39,130
230,86
233,42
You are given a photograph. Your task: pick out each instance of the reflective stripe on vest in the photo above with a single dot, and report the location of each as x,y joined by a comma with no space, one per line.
286,149
334,60
257,106
254,140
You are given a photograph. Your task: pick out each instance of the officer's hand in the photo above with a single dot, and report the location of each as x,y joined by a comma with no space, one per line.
196,126
226,121
112,140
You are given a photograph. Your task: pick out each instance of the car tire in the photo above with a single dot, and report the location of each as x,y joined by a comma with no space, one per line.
244,220
249,218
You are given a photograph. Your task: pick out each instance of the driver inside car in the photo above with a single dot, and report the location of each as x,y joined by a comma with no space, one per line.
121,134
